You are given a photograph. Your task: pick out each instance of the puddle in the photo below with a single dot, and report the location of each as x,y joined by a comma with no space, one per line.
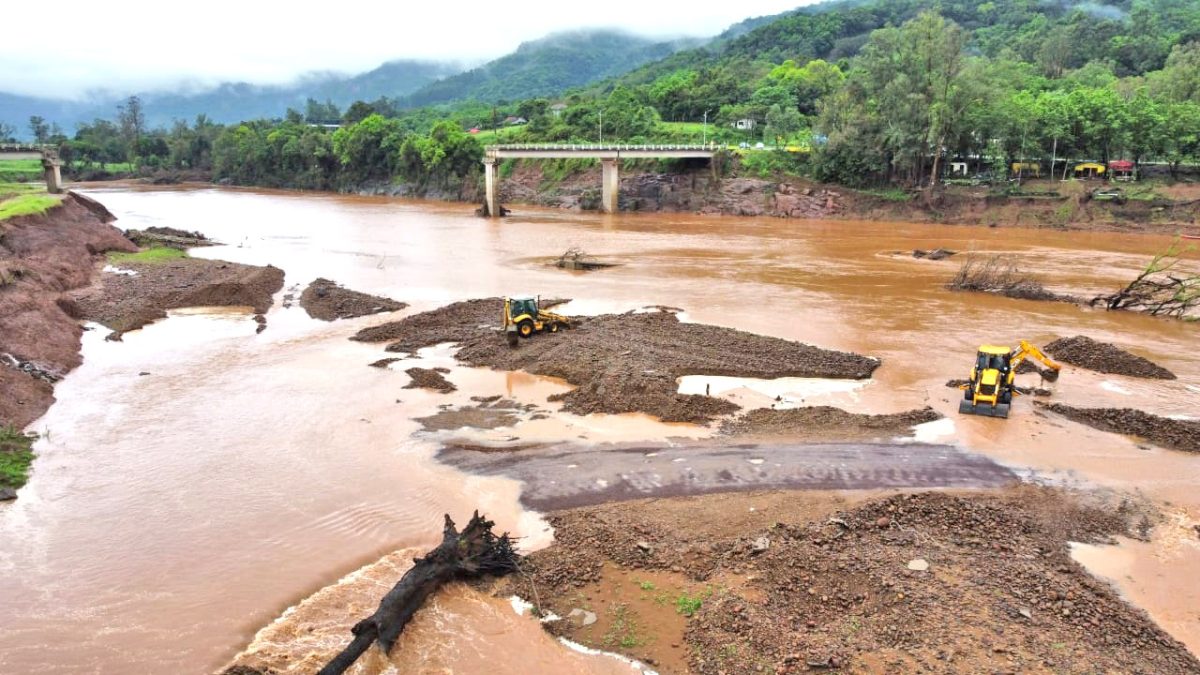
781,393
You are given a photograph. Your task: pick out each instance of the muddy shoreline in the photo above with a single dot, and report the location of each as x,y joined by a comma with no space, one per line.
792,582
43,257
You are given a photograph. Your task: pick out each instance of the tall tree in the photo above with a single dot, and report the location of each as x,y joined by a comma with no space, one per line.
39,129
132,120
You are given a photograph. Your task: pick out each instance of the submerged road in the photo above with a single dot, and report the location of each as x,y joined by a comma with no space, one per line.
563,477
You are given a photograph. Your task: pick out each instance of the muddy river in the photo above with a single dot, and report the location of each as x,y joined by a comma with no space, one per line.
197,480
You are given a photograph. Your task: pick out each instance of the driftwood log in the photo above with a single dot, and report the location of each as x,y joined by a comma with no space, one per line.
1159,290
473,552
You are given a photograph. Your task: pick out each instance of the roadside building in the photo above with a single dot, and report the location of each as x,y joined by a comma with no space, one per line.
1031,169
1121,169
1089,170
744,124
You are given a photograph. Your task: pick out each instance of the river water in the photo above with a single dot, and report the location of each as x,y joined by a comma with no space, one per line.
197,479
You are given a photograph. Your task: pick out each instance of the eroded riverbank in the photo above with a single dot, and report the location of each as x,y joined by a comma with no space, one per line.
296,491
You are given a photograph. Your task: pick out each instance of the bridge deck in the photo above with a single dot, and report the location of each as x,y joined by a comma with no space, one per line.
615,151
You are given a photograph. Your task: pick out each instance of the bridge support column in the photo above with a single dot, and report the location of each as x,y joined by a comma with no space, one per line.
53,176
611,185
491,188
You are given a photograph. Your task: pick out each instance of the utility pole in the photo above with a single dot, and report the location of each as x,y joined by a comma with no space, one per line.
704,137
602,126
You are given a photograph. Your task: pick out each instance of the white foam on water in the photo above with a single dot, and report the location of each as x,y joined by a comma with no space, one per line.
931,432
636,666
117,270
1109,385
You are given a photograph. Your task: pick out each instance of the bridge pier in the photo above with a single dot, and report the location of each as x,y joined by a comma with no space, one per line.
491,186
53,175
610,185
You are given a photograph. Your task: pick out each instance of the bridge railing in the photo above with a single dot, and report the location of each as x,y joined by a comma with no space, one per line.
25,147
600,147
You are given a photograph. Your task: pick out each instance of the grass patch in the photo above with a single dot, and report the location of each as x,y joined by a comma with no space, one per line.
16,454
890,194
688,605
157,254
28,205
21,170
623,632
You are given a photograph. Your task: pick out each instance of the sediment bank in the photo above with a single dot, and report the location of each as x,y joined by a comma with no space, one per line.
792,582
621,362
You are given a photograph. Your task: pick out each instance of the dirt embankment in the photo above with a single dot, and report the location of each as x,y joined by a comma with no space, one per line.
695,189
41,259
1102,357
125,302
827,423
327,301
796,582
621,363
1169,433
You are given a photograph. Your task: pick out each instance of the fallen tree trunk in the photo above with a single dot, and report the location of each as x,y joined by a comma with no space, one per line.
473,552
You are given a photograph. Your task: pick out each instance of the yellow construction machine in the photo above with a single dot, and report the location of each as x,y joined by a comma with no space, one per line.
990,390
523,317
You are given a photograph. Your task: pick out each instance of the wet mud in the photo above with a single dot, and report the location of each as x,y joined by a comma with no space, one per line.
827,423
125,302
570,476
491,413
622,362
1164,431
326,300
430,378
1102,357
935,582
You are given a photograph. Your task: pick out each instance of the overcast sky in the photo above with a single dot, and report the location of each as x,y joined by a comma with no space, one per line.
69,47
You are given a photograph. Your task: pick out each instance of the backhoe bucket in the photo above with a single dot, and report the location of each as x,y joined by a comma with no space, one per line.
1050,375
998,410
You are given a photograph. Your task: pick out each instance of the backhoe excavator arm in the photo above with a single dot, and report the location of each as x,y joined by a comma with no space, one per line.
1026,350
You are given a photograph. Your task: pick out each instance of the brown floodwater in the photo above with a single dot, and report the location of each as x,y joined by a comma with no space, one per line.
197,480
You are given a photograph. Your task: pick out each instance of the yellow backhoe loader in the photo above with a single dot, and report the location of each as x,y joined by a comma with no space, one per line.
990,390
523,317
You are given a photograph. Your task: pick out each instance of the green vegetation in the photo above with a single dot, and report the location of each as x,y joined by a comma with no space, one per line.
688,605
157,254
623,632
20,170
864,93
28,205
645,585
16,454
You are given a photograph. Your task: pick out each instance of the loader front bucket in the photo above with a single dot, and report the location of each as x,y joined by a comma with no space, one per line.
998,410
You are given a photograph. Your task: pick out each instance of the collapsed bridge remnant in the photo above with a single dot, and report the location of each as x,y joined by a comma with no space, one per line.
609,156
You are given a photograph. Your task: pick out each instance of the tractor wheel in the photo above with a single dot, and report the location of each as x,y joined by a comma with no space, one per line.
525,328
554,327
968,396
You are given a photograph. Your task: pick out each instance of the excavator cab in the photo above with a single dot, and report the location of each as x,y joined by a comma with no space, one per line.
524,317
990,390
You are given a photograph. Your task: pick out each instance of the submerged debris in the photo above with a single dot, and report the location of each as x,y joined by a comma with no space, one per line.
1000,275
574,258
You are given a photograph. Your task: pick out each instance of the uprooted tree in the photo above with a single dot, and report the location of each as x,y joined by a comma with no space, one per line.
473,552
1001,275
1162,289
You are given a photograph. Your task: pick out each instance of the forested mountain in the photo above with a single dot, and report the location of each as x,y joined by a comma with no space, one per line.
549,66
233,101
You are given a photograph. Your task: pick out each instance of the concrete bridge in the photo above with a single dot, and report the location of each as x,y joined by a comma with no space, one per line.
47,153
610,157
